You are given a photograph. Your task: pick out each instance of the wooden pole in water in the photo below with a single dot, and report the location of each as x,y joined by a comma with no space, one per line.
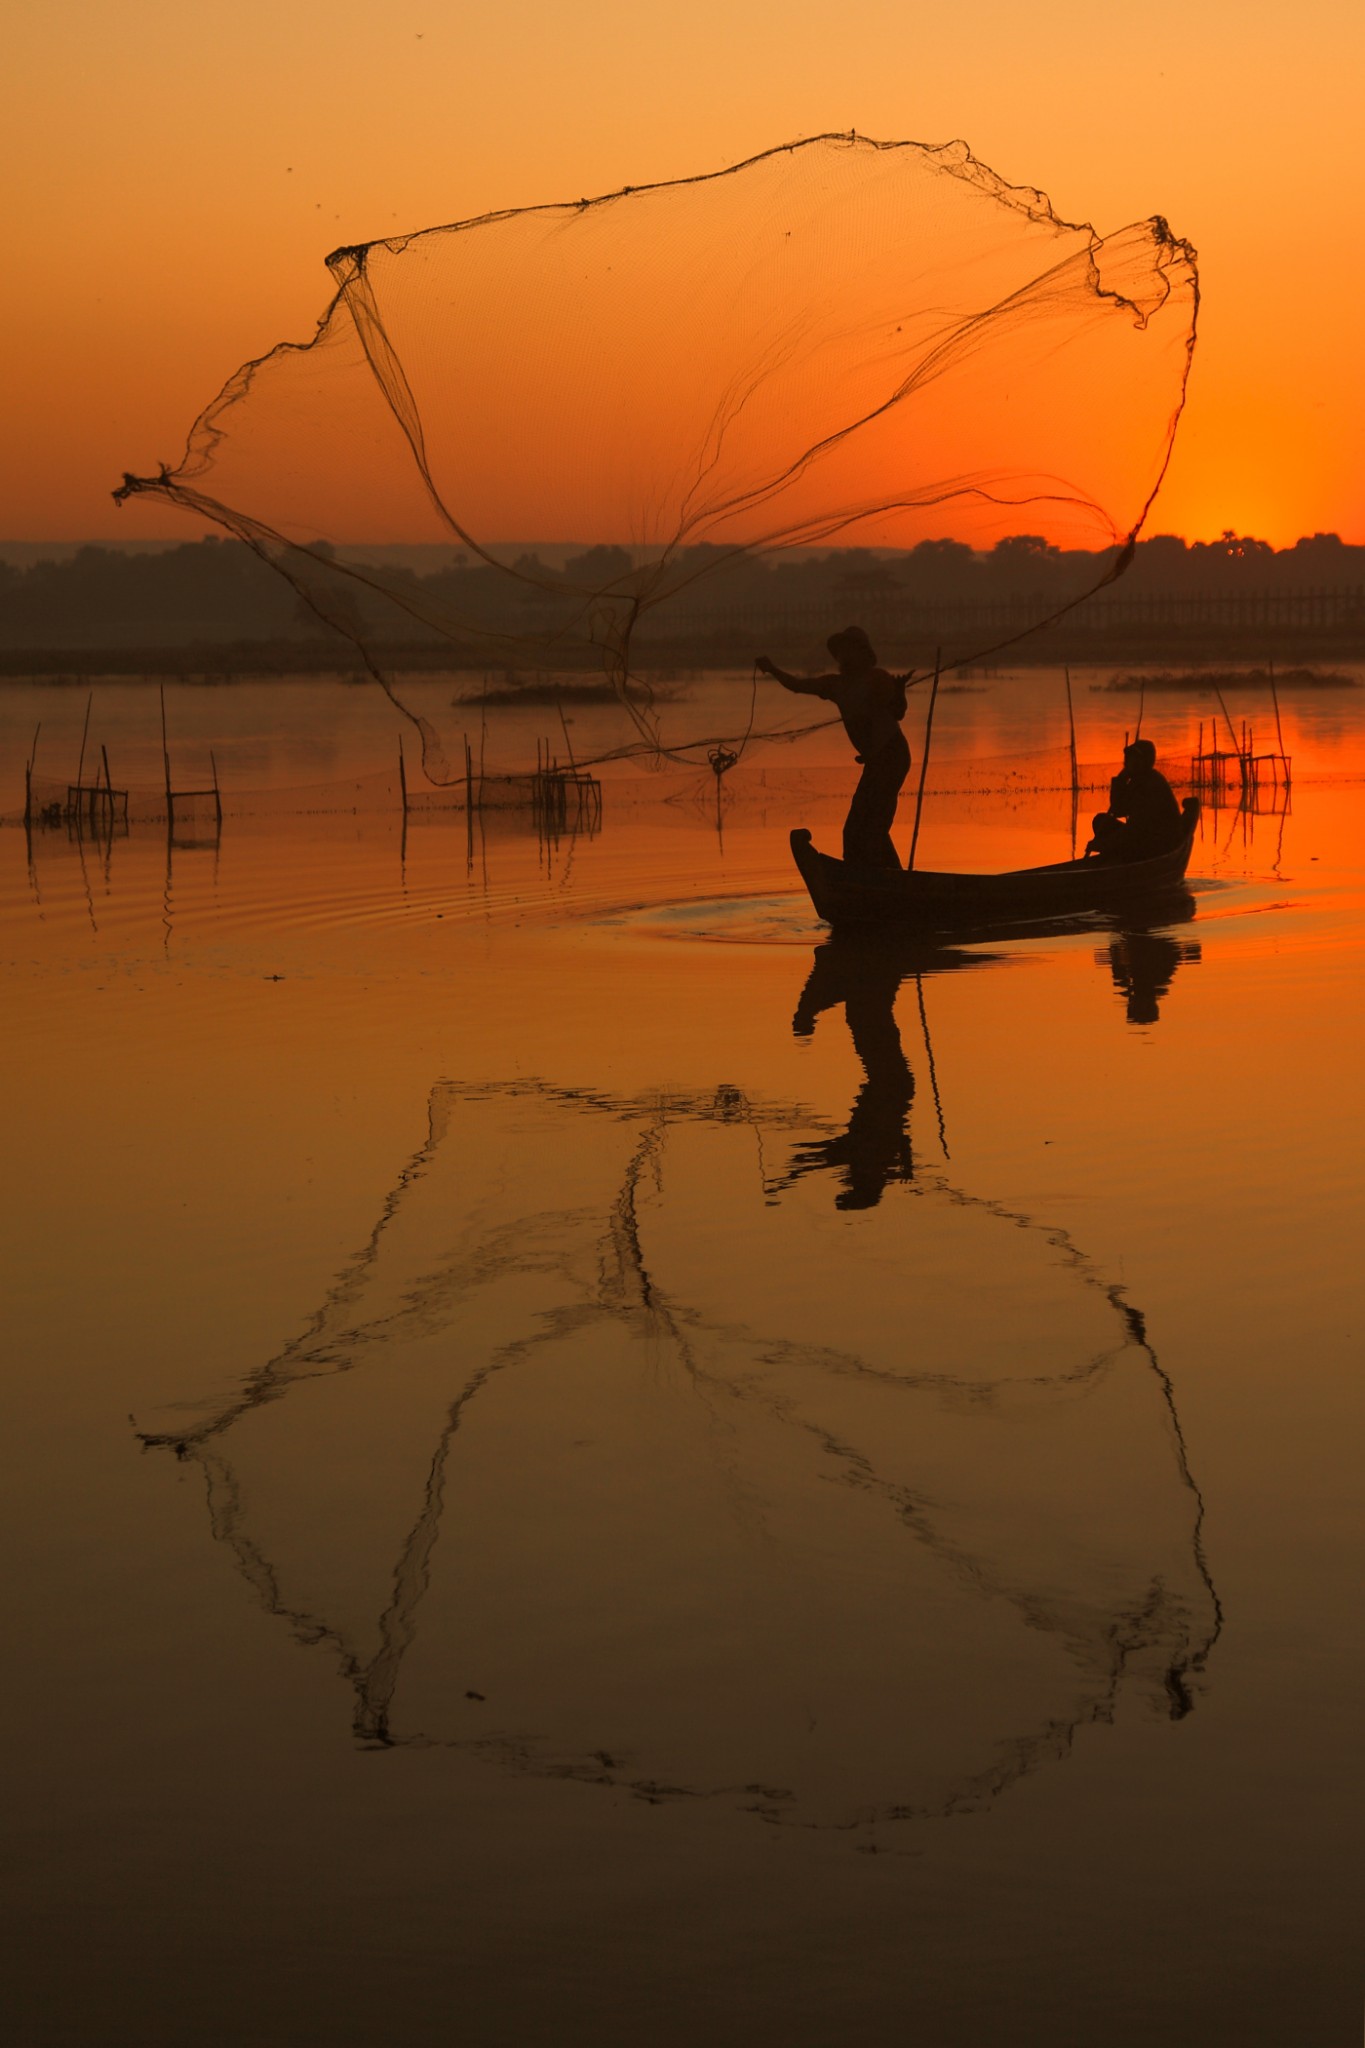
402,776
924,757
28,776
468,778
1232,732
85,733
559,706
217,795
166,756
1279,729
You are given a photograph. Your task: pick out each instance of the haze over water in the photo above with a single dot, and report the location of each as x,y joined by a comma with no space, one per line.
600,1468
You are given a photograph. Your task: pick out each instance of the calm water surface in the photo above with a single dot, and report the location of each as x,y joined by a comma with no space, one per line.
589,1466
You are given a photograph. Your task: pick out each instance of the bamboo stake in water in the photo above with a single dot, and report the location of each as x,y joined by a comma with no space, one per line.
28,776
1279,729
165,750
85,734
559,705
924,757
1232,733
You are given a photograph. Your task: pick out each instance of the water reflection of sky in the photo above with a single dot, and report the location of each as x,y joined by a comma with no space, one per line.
632,1357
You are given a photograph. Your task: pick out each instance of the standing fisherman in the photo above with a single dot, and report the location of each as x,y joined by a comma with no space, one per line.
871,704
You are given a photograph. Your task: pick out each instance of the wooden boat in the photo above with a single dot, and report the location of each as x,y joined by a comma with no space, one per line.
845,894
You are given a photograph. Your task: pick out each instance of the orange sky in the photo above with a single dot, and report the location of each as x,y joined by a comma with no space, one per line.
183,173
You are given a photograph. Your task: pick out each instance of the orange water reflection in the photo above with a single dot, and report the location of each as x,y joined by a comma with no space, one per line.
634,1453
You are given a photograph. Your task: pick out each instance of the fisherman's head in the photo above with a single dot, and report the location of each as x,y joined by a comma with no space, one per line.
1139,754
852,650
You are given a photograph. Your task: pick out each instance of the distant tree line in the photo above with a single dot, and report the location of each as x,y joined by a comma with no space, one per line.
217,594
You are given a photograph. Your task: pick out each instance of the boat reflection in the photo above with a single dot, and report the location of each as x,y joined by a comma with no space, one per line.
865,971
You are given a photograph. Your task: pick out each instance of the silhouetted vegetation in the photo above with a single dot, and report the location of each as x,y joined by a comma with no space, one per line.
215,608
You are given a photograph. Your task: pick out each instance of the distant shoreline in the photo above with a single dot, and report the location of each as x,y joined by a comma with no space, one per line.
209,666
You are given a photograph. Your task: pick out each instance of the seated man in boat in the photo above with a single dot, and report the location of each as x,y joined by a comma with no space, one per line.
871,704
1144,816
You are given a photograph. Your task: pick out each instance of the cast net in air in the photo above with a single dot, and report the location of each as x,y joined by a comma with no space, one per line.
837,344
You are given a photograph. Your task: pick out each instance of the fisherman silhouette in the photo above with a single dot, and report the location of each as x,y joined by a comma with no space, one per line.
875,1148
1144,817
1143,965
871,704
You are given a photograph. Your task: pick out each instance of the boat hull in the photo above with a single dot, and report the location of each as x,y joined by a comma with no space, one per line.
847,895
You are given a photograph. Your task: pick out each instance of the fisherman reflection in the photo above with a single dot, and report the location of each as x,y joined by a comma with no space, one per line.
1143,965
871,704
875,1148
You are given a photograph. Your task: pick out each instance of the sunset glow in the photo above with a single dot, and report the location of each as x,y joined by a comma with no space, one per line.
186,181
682,925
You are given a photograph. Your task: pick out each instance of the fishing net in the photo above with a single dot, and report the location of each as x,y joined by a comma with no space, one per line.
839,343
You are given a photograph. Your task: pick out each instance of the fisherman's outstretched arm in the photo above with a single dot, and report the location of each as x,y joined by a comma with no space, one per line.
804,686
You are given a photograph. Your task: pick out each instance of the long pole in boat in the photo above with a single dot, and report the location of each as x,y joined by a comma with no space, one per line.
1075,771
924,757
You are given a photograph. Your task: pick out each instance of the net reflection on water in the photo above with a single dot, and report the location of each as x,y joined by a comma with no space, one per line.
840,1520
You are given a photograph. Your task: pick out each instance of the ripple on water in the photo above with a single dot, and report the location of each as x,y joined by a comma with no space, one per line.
786,920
